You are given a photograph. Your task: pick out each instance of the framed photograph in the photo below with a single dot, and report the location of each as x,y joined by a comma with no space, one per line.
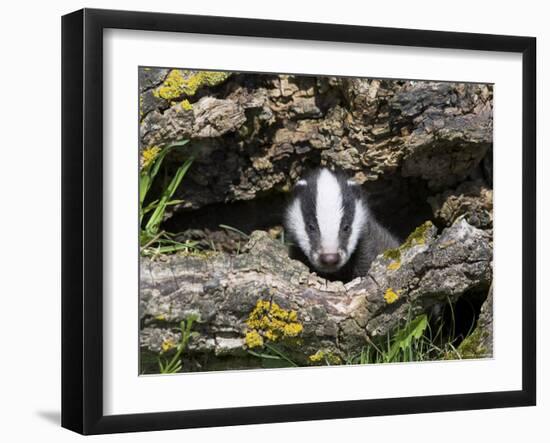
269,221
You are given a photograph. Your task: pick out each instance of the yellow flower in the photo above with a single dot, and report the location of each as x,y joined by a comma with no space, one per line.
149,155
391,296
168,344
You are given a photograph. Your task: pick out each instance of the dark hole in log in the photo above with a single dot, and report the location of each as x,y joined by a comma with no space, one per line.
247,216
459,319
400,204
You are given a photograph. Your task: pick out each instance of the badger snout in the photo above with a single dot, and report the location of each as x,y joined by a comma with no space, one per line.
330,259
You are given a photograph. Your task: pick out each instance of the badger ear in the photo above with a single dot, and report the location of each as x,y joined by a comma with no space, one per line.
352,182
301,183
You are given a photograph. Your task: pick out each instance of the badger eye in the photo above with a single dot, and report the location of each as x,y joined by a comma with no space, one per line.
310,227
346,228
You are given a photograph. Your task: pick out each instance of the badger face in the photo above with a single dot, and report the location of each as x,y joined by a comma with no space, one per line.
326,218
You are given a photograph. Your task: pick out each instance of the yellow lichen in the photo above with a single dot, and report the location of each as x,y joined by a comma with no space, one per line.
253,339
171,87
185,105
149,155
391,296
271,322
160,317
394,265
180,82
324,355
292,329
167,345
317,357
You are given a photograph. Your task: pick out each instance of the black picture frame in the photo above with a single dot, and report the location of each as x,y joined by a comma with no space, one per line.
82,218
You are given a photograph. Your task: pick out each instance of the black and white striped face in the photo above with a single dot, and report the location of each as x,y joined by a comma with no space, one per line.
325,219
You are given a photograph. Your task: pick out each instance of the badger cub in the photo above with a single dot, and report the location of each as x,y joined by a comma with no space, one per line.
331,228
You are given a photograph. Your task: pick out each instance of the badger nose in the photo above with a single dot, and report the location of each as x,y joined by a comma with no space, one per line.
329,259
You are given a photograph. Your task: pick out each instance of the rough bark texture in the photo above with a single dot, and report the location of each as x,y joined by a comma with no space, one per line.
422,150
255,134
337,319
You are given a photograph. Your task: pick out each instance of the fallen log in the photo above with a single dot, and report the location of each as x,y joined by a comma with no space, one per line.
260,296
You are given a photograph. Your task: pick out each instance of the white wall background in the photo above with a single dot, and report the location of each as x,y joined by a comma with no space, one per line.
30,219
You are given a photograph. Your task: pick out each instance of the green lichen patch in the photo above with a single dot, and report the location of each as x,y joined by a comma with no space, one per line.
181,82
417,237
473,346
392,254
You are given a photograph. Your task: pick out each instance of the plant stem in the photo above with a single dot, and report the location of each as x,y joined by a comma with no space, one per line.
280,354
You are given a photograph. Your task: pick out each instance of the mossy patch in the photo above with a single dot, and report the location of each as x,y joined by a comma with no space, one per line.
392,254
473,346
417,237
184,82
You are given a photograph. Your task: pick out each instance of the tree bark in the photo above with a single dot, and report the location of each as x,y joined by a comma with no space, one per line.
422,151
335,319
254,135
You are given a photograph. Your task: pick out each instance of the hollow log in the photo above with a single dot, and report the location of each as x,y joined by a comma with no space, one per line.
255,134
226,292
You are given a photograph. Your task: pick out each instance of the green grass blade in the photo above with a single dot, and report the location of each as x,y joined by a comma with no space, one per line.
148,174
262,355
280,354
178,144
154,221
231,228
404,337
